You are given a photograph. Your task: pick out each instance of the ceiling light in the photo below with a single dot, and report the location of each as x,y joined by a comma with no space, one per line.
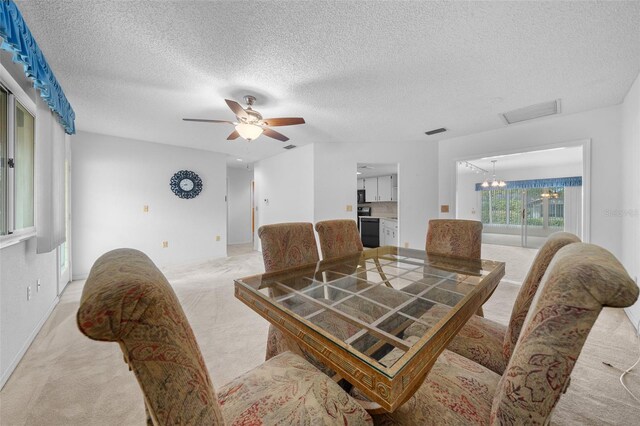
239,159
495,183
358,173
249,131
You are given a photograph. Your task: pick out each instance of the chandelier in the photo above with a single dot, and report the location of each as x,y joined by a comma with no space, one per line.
494,183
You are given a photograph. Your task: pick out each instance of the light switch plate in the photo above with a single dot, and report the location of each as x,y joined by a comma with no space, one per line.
217,237
145,208
349,208
165,244
444,208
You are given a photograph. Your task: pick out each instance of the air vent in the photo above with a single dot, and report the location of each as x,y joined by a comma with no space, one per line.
532,112
365,167
289,146
435,131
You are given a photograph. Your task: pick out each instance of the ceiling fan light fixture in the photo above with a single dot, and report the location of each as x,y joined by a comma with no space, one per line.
249,131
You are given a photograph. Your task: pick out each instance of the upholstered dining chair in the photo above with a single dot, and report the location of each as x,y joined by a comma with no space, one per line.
582,279
126,299
454,238
490,343
338,237
285,245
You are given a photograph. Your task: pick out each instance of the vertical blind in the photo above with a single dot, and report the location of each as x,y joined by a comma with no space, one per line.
50,193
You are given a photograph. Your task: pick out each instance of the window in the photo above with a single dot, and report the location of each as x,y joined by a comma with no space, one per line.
544,207
17,136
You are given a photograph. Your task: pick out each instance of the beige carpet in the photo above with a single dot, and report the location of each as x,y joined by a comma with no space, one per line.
67,379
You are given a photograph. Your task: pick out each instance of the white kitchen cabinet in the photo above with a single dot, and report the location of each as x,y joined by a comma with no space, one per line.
381,188
370,189
361,183
385,188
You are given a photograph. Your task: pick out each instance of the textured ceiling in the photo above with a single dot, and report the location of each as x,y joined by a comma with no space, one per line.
356,71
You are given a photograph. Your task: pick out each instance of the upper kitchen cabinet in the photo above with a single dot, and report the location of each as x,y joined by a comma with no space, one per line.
370,189
381,188
361,183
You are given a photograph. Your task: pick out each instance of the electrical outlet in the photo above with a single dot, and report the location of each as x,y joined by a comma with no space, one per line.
406,244
38,286
28,293
217,237
145,208
165,244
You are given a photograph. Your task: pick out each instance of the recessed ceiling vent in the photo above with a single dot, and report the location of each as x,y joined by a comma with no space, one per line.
435,131
289,146
531,112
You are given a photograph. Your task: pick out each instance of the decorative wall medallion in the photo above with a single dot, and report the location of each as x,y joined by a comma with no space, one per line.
186,184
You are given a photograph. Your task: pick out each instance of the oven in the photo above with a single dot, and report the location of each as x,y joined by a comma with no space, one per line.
363,211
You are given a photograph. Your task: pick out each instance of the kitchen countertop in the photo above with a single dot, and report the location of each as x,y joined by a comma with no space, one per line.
378,217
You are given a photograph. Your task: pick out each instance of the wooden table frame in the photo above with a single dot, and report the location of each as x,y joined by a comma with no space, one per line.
391,386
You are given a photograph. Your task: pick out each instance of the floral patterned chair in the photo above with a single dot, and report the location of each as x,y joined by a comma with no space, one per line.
126,299
582,279
338,238
490,343
285,245
454,238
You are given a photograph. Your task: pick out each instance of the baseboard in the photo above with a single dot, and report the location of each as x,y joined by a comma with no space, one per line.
16,360
634,318
78,277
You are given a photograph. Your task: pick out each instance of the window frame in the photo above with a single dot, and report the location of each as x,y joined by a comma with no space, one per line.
17,94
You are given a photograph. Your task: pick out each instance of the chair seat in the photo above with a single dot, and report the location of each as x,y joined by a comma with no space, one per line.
481,340
288,390
457,391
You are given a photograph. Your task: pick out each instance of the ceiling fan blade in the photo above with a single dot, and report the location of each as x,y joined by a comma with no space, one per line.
237,109
283,121
233,135
207,121
275,135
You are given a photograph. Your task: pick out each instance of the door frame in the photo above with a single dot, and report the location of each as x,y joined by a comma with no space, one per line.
585,144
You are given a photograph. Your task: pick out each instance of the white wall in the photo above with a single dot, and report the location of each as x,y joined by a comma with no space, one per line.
630,206
336,184
113,178
286,181
602,126
20,320
20,266
239,205
468,198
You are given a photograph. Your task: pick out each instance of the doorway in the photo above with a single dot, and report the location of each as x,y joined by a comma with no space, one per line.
523,198
240,209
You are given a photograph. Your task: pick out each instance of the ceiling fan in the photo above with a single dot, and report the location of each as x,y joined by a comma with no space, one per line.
250,124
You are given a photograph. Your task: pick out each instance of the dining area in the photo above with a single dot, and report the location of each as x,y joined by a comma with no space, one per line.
388,335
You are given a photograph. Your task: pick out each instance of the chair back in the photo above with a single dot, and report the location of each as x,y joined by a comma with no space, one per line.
338,238
580,281
454,238
126,299
530,285
287,244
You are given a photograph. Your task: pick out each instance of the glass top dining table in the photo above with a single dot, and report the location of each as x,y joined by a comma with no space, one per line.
378,318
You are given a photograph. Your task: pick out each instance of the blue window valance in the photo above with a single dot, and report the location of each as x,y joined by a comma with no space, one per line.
537,183
17,38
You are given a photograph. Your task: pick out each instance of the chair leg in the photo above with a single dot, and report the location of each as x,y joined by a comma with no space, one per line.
480,312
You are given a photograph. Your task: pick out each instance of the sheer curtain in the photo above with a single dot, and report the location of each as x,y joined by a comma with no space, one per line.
573,210
50,191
